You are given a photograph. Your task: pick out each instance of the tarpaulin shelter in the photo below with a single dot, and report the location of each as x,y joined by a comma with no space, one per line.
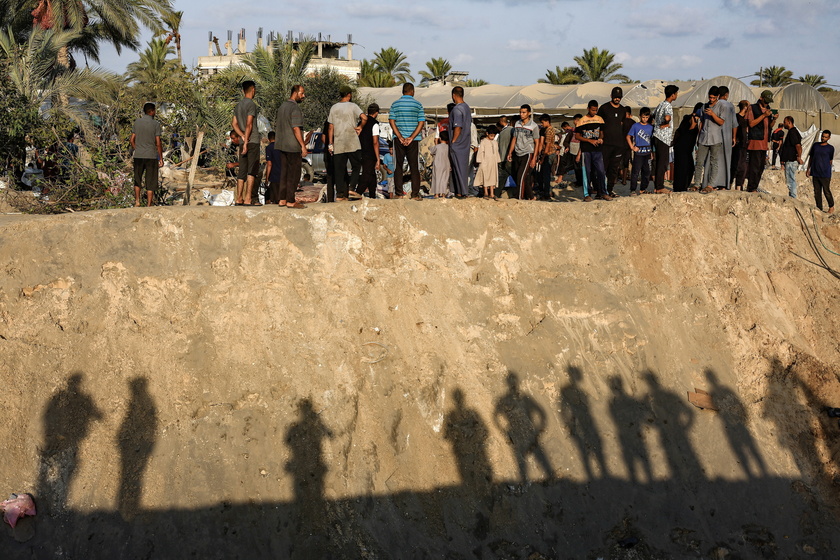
492,100
738,90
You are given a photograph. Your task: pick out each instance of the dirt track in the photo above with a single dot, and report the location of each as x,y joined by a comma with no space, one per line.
190,379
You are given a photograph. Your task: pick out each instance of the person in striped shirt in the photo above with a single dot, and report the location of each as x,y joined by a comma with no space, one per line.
407,119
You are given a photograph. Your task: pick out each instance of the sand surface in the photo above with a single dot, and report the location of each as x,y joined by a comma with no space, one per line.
398,379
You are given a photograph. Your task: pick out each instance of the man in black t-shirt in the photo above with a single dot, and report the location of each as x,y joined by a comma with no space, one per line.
369,138
615,143
776,143
791,155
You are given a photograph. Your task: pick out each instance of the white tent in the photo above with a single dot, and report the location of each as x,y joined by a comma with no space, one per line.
798,97
738,90
652,92
492,99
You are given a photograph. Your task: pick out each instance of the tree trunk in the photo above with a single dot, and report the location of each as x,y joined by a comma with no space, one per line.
193,166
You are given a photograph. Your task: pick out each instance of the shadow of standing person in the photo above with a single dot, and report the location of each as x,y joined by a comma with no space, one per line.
135,440
467,434
734,415
629,416
804,427
673,419
66,420
309,470
577,416
525,422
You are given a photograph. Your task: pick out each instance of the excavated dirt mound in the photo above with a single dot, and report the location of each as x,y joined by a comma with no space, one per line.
444,379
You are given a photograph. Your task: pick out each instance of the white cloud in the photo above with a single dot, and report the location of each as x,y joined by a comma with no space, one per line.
762,28
662,61
523,45
463,58
670,21
414,14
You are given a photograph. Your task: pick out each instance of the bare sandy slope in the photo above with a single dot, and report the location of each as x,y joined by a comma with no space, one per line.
437,379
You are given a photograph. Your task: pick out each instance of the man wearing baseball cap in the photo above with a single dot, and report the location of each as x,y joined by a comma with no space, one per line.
613,113
761,123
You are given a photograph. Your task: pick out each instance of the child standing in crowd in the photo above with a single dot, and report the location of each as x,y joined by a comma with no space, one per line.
488,160
639,139
388,165
441,169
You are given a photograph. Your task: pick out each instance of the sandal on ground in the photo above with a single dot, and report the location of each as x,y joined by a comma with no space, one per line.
295,205
707,190
663,190
354,195
692,189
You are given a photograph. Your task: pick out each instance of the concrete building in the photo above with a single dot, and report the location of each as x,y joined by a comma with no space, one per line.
327,53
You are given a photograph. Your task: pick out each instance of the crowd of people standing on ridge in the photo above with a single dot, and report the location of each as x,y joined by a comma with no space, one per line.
714,147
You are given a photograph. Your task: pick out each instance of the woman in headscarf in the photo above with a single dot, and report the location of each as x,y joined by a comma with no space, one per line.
685,139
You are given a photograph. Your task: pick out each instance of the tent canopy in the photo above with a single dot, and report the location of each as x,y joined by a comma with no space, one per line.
494,99
738,90
797,97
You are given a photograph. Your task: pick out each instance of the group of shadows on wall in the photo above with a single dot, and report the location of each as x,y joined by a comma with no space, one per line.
71,410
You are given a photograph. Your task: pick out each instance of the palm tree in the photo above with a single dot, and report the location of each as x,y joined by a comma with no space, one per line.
773,76
113,21
172,27
813,80
372,76
36,75
597,65
275,70
153,70
436,71
393,63
560,77
475,83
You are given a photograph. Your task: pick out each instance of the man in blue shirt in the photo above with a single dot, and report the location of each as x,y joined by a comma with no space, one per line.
819,169
407,118
460,122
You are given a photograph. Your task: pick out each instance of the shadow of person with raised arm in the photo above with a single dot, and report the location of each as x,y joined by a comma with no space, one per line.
309,470
733,413
524,423
67,419
577,416
673,419
468,434
135,440
803,426
630,417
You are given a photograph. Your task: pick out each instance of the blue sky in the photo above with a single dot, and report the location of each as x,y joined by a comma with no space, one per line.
514,42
